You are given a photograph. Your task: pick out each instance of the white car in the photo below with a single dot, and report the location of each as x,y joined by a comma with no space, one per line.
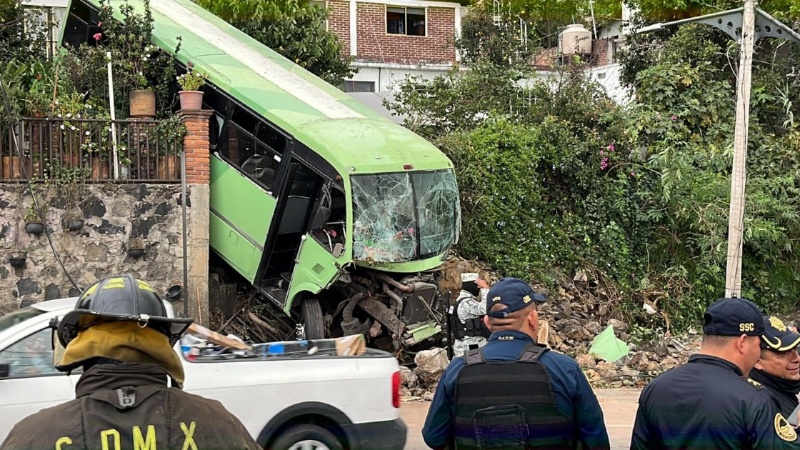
352,401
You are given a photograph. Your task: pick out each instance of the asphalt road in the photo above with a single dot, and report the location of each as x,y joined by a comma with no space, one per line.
619,411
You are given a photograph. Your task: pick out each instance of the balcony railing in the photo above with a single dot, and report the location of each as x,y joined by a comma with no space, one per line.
143,151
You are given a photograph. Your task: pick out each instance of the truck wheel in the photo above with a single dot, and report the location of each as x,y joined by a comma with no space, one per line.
312,316
307,437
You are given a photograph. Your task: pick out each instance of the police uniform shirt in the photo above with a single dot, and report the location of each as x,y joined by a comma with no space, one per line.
708,404
574,397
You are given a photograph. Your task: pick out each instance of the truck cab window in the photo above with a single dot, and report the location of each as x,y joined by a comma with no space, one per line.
30,356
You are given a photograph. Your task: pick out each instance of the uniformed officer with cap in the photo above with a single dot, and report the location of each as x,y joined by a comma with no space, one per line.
778,368
708,403
513,393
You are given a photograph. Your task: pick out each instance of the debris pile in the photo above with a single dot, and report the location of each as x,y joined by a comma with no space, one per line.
573,317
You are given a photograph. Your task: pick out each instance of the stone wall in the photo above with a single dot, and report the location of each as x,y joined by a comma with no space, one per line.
113,214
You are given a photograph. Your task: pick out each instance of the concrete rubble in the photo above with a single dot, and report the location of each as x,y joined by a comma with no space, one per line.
574,316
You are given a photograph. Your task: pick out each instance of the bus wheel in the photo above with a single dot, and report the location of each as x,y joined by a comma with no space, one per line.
312,316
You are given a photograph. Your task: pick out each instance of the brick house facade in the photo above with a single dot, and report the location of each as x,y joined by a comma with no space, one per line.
390,39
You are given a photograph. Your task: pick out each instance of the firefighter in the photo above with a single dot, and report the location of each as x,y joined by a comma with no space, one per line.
513,393
708,403
119,333
466,314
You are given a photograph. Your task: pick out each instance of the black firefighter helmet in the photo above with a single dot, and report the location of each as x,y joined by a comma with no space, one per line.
120,298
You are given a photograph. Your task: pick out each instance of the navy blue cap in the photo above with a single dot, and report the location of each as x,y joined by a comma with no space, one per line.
512,292
777,336
733,317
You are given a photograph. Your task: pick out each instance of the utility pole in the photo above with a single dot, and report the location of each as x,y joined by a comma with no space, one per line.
733,275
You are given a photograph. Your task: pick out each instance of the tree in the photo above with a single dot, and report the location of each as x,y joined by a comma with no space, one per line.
18,41
293,28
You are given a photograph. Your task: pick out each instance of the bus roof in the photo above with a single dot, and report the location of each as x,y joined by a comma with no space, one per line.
345,132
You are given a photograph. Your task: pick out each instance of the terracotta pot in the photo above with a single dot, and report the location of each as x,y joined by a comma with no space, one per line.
143,103
99,169
191,100
71,159
167,167
12,167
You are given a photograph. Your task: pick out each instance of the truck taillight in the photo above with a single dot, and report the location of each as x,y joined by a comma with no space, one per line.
396,389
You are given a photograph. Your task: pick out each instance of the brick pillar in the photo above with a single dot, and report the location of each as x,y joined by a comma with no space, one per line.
198,175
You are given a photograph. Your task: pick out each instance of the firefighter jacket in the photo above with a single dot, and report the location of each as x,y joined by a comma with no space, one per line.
127,406
708,404
572,394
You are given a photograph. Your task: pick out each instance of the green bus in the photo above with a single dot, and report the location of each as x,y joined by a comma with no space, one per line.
335,214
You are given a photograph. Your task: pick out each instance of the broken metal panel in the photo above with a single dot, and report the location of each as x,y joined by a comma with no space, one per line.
382,314
399,217
420,333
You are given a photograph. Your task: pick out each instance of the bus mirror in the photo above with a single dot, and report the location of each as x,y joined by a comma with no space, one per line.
322,215
338,249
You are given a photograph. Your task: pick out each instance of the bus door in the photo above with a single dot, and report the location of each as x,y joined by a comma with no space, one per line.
298,200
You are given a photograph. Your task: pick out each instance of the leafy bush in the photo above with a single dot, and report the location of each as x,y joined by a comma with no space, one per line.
556,178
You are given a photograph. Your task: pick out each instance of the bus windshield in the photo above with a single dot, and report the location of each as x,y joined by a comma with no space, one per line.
404,216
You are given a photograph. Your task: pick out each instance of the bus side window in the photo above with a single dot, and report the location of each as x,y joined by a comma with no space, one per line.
80,25
245,148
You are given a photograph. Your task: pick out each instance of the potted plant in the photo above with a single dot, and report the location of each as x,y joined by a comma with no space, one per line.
17,258
136,247
11,82
69,111
33,222
170,132
95,150
190,94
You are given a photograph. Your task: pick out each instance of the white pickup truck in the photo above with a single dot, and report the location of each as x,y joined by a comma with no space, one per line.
318,401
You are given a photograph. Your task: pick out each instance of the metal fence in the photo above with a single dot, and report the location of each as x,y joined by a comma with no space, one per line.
144,150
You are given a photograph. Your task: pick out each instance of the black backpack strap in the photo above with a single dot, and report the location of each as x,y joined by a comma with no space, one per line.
474,356
532,353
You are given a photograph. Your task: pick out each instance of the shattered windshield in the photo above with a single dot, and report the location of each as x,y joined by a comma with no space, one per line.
404,216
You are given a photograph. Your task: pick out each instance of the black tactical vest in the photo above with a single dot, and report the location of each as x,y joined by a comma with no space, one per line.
470,327
508,405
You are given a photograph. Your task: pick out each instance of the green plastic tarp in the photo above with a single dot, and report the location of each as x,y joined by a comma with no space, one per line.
607,347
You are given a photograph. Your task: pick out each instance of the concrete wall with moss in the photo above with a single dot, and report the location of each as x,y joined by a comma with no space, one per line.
112,214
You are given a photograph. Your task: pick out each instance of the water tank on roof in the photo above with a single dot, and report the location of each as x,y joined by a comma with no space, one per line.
575,39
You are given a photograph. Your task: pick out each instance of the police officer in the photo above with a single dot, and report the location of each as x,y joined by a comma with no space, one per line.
466,318
708,403
778,368
513,393
119,333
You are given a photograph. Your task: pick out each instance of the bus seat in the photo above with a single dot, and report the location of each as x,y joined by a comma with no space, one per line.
254,163
265,175
294,215
320,217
